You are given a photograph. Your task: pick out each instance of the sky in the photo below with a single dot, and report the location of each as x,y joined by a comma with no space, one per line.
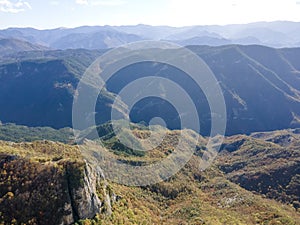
44,14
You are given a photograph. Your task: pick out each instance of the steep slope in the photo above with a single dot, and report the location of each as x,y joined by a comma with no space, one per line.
94,37
255,79
8,46
77,59
260,87
37,93
48,183
191,197
266,35
17,133
203,40
268,164
40,92
98,40
54,174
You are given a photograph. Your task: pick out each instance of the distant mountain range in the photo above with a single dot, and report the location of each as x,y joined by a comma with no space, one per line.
8,46
273,34
261,87
45,178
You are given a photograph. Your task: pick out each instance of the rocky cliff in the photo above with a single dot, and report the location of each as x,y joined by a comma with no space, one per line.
42,191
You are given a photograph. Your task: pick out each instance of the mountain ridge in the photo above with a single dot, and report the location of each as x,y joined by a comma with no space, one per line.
286,33
252,78
230,190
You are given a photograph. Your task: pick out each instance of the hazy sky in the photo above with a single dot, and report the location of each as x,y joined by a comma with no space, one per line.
72,13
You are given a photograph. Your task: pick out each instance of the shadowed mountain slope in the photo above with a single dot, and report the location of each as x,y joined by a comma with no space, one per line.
260,87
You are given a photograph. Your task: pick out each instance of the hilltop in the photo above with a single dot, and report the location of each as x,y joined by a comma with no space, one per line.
232,190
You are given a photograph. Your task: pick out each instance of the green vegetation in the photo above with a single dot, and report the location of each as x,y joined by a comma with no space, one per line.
44,84
17,133
36,179
269,165
9,45
185,200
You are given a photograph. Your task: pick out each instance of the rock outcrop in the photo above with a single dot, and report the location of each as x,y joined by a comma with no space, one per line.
49,192
83,199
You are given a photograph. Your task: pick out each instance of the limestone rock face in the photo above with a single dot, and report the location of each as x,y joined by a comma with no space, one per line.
83,199
50,192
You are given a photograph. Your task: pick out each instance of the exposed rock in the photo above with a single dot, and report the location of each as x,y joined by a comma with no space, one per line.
83,199
51,192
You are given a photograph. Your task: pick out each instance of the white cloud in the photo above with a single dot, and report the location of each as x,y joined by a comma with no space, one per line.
14,6
101,2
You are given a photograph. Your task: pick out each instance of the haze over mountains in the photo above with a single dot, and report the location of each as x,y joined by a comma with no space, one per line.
273,34
261,87
45,178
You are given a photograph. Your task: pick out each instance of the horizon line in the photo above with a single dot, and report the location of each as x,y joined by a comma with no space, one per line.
142,24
